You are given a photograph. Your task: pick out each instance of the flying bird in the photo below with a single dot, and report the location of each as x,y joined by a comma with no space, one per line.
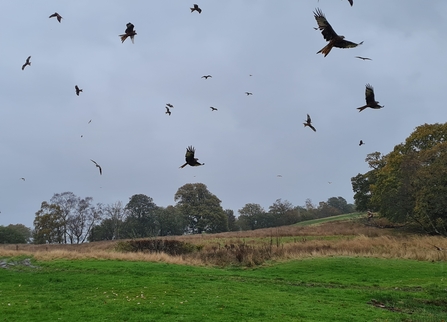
361,143
98,166
168,111
351,2
309,123
129,32
169,105
23,179
196,8
26,63
189,158
78,90
370,100
58,16
207,76
89,122
363,58
248,93
213,108
330,35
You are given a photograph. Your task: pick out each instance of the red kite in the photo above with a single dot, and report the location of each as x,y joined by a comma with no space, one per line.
330,35
361,143
213,108
129,32
363,58
58,16
248,93
168,111
78,90
309,123
370,100
189,158
98,166
26,63
206,76
196,8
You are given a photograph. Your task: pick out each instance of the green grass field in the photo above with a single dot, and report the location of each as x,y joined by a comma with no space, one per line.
318,289
329,219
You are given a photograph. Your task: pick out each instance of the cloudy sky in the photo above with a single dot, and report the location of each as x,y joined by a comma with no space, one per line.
250,140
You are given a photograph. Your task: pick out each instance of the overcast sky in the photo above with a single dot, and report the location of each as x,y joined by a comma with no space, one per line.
250,140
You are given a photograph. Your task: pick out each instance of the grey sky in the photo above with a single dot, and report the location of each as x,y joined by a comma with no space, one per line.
250,139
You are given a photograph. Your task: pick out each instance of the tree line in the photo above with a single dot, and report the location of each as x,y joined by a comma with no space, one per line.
408,186
69,219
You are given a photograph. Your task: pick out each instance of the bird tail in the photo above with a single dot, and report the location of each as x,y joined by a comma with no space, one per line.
192,9
123,37
361,108
325,50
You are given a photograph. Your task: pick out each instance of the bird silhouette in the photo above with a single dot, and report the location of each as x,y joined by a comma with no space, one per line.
58,16
207,76
330,35
78,90
168,111
190,159
213,108
309,123
98,166
169,105
23,179
363,58
26,63
361,143
248,93
89,122
370,100
196,8
129,32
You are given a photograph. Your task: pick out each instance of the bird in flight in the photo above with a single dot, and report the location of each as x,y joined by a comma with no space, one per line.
363,58
129,32
196,8
58,16
89,122
23,179
248,93
309,123
361,143
213,108
189,158
207,76
26,63
351,2
330,35
98,166
169,105
78,90
370,100
168,111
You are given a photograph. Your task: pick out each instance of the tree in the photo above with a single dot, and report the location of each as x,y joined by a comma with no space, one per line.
283,213
201,209
116,213
14,234
341,204
49,224
171,221
252,216
66,202
141,218
232,226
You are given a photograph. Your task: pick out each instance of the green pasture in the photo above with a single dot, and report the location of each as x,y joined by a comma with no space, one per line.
320,289
329,219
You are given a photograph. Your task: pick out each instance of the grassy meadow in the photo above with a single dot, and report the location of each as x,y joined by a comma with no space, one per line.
334,271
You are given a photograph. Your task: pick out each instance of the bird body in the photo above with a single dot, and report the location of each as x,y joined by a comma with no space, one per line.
98,166
168,111
330,35
78,90
190,159
361,143
129,32
26,63
58,16
248,93
363,58
196,8
207,76
213,108
370,100
309,123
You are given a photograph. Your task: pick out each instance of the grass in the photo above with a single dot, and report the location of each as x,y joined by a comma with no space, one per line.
314,289
329,219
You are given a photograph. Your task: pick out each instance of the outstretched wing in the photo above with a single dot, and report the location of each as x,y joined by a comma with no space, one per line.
308,121
351,2
369,95
326,29
189,156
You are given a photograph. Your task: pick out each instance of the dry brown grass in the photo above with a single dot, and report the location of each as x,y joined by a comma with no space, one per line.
251,248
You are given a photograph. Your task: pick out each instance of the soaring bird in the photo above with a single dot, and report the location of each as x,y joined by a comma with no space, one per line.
169,105
189,158
26,63
361,143
330,35
168,111
129,32
78,90
58,16
89,122
309,123
213,108
23,179
196,8
351,2
98,166
207,76
248,93
363,58
370,101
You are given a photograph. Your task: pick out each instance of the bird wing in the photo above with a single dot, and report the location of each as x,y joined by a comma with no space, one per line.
94,161
27,60
53,15
326,29
311,126
351,2
346,44
369,94
100,169
309,120
189,156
